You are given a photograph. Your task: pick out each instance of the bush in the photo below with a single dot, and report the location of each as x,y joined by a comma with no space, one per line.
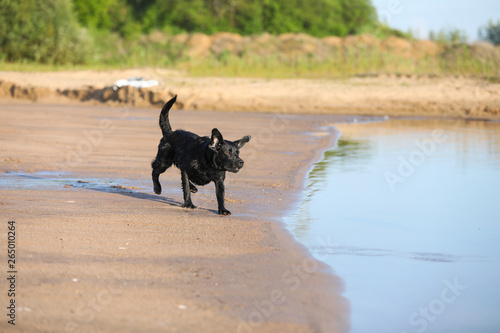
317,18
491,33
42,31
445,36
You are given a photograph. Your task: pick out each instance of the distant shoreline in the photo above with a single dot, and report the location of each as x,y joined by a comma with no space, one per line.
377,95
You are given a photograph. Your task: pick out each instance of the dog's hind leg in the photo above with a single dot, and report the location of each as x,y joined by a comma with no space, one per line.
186,184
156,178
161,163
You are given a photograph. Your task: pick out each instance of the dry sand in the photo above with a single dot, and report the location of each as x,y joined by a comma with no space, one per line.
92,257
390,95
96,258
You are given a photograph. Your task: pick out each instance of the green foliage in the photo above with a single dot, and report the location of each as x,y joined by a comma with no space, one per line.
107,15
356,14
48,32
94,13
382,31
42,31
317,18
491,33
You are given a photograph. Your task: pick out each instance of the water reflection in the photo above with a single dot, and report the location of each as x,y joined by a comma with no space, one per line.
394,246
421,256
343,154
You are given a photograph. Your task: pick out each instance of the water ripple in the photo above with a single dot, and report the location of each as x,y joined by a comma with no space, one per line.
368,252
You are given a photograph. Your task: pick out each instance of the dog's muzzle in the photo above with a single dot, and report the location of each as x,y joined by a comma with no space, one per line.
237,166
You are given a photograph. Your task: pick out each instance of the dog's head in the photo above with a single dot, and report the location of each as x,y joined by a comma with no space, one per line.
227,153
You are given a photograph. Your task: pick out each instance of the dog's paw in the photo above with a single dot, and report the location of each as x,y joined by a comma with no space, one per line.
224,212
189,206
157,188
193,188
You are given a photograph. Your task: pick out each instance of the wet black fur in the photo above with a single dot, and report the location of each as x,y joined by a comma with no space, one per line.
201,159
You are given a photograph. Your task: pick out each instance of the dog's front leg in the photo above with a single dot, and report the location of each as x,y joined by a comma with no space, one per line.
186,190
219,193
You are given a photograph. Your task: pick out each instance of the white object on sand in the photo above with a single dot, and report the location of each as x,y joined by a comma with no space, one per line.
138,82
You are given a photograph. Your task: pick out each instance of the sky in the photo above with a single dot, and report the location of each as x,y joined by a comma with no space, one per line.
422,16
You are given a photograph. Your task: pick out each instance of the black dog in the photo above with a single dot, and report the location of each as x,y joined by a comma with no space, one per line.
200,159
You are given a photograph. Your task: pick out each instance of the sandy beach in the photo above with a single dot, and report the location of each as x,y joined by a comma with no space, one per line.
378,94
118,258
99,251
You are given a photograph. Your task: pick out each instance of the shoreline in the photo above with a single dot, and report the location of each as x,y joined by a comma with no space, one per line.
242,273
126,243
377,95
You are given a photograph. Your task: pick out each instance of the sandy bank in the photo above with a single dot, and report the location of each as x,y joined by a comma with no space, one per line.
102,258
376,95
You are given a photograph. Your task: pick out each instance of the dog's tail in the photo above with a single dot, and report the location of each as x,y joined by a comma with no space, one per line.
164,122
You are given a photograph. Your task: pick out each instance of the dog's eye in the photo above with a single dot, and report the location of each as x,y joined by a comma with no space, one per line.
228,152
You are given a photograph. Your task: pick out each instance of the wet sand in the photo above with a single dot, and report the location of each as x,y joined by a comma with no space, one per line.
102,258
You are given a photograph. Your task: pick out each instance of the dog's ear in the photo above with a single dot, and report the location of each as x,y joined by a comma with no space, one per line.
216,140
241,142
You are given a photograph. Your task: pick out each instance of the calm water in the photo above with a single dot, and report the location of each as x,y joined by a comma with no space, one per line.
407,212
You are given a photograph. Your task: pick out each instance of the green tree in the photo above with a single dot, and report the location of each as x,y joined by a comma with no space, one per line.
107,15
173,15
95,13
491,32
356,14
44,31
318,18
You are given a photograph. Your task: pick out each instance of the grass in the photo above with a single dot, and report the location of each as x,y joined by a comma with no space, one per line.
28,66
340,64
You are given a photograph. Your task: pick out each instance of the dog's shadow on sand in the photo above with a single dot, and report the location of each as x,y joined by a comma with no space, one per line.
103,186
132,193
